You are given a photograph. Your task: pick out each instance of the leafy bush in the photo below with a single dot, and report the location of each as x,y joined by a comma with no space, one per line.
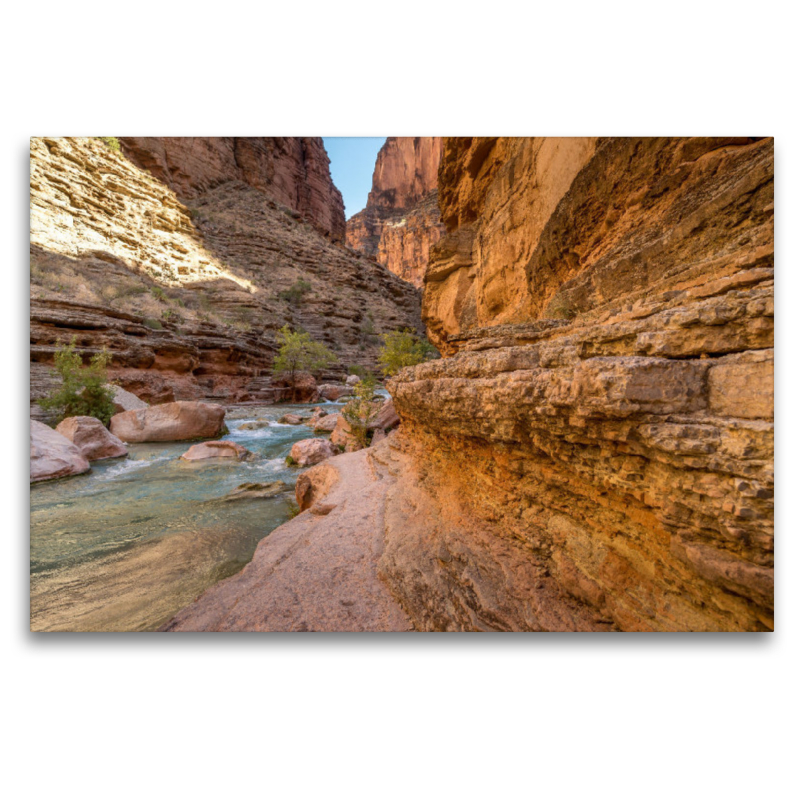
159,294
298,353
153,324
360,410
403,348
84,391
357,369
111,142
294,294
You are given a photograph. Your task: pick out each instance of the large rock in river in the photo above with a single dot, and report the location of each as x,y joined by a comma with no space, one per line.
53,455
311,451
92,438
206,450
125,400
171,422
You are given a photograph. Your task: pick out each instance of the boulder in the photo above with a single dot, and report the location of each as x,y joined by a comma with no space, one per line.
353,380
206,450
53,455
126,401
308,452
326,424
92,438
290,419
378,436
316,415
171,422
255,425
303,391
342,435
257,491
334,391
386,418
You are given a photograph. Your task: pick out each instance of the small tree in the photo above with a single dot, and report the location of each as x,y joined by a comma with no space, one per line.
298,352
84,391
403,348
360,410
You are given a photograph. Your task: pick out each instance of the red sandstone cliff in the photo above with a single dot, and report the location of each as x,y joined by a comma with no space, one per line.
401,220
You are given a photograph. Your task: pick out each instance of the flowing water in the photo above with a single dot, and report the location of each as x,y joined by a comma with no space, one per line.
129,544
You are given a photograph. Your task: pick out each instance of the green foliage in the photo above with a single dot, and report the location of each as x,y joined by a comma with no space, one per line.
357,369
84,391
299,352
111,142
294,510
290,462
403,348
153,324
360,410
294,294
159,294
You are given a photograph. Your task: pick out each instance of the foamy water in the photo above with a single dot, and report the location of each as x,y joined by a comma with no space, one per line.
127,545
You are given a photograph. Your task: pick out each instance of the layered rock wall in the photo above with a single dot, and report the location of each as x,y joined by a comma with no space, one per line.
606,415
401,220
188,297
291,171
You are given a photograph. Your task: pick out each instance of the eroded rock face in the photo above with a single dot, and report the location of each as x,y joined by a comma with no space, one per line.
92,438
608,306
308,452
295,172
171,422
186,287
401,221
53,455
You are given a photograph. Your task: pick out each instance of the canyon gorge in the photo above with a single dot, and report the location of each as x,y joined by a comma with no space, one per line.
593,451
179,255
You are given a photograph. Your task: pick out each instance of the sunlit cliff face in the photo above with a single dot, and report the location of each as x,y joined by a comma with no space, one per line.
91,201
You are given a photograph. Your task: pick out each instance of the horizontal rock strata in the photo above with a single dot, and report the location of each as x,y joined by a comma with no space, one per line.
186,272
401,221
608,306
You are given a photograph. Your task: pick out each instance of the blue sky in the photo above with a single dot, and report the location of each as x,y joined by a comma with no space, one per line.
352,161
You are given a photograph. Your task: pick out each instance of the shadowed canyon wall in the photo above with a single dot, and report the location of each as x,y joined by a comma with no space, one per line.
177,254
604,419
401,220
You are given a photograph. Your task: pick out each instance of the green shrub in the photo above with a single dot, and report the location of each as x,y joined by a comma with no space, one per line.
404,348
153,324
294,294
357,369
360,410
298,353
159,294
111,142
290,462
84,391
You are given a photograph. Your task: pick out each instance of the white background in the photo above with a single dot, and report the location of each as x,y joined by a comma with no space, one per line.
495,716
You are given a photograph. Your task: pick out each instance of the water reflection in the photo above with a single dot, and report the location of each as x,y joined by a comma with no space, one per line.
129,544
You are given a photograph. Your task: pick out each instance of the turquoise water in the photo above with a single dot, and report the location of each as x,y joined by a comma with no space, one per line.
127,545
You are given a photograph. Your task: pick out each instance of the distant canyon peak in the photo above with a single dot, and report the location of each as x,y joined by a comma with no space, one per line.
401,220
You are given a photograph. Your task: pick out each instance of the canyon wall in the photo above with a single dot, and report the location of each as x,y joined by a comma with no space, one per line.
401,220
184,272
292,171
604,421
